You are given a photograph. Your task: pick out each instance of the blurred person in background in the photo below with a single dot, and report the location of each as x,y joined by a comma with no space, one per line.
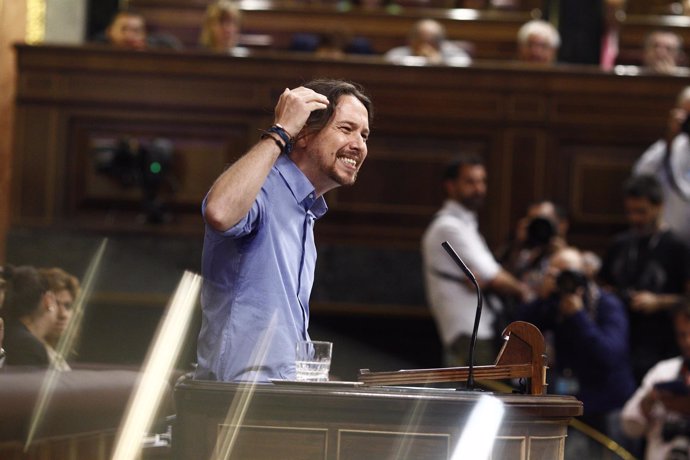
660,408
31,313
538,234
648,266
668,159
427,40
66,289
590,333
663,52
128,30
220,31
538,41
450,296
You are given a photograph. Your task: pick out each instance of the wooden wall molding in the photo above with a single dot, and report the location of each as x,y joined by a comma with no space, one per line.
543,132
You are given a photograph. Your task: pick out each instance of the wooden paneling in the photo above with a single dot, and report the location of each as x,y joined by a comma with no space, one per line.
568,133
365,423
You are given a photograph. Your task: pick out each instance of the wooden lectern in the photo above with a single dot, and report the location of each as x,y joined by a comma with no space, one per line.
372,419
523,355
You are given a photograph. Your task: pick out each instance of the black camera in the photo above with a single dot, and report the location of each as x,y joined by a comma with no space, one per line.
569,281
540,230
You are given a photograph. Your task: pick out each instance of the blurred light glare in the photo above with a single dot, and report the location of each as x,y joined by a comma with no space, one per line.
230,429
65,344
477,439
144,403
463,14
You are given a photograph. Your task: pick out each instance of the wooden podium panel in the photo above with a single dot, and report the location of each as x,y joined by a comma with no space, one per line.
355,422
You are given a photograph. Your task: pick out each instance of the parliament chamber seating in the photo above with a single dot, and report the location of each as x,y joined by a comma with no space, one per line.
81,416
492,32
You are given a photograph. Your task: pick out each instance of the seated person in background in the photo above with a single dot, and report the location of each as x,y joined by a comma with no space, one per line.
649,268
654,411
538,235
221,28
427,40
663,52
31,311
590,331
331,46
672,167
127,30
66,288
538,41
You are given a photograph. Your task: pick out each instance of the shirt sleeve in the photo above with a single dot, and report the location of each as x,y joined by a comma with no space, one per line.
650,161
472,249
247,224
633,421
606,339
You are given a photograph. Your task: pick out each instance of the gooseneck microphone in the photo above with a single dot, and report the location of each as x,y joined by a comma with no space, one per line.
478,314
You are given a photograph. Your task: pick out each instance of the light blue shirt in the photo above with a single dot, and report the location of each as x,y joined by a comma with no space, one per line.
258,277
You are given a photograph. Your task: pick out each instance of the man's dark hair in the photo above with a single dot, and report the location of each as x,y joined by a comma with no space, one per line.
465,159
334,90
559,209
126,11
645,186
24,290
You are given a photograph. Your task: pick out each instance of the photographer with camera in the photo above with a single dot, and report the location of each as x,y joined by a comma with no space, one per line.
668,159
590,332
660,408
648,266
538,235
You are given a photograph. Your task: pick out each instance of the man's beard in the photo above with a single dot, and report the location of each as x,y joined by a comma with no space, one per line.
474,202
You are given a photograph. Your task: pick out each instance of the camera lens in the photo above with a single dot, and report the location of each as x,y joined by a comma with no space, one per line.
540,231
569,281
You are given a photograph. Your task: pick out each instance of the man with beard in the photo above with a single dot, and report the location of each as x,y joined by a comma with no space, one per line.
450,296
649,267
259,254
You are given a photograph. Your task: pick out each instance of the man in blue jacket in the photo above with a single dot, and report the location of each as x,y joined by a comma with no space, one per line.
590,338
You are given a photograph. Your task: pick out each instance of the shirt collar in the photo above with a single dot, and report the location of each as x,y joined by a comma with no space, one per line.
457,210
301,188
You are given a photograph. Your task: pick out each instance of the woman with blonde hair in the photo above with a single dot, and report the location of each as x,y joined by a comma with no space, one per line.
221,28
66,288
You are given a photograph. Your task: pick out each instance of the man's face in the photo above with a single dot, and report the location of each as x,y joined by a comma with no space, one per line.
642,215
661,48
333,156
128,31
682,327
537,49
469,188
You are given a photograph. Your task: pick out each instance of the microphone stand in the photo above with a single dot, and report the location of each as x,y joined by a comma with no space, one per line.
477,316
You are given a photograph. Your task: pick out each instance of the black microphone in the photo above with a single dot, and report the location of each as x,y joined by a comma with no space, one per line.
478,314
